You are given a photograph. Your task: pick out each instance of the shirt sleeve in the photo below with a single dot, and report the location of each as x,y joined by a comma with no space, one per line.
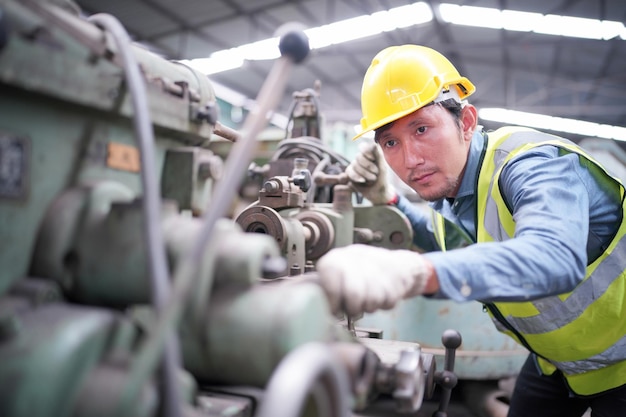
547,255
421,223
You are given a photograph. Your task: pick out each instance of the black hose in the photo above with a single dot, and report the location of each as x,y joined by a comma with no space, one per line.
151,205
187,269
311,143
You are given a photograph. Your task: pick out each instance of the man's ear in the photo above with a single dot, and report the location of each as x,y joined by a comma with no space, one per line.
469,120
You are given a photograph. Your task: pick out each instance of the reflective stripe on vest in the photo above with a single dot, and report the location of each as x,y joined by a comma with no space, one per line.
438,224
594,362
500,155
586,293
552,324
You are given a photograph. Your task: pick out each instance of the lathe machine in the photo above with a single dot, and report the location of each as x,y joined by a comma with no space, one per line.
125,289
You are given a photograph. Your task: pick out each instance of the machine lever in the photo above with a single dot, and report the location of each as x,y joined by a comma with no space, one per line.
321,178
447,379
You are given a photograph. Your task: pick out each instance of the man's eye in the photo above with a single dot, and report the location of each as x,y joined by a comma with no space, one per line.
421,129
389,143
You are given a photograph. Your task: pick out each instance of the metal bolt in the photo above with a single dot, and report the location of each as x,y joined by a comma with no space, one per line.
271,186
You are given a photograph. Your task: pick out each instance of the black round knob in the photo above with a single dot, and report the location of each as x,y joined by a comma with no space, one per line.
293,42
451,339
303,180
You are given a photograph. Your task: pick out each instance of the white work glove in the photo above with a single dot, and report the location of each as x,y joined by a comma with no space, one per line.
368,174
360,278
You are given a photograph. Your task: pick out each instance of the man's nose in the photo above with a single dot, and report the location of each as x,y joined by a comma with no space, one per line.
412,155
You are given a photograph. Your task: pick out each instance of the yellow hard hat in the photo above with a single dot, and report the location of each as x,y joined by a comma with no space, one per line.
403,79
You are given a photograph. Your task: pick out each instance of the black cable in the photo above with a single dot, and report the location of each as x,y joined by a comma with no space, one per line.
315,144
151,205
186,272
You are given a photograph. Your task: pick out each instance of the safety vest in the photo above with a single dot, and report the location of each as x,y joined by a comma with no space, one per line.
582,333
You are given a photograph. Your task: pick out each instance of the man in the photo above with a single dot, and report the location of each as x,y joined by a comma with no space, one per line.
539,225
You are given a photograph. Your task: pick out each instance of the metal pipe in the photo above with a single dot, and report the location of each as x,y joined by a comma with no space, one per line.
226,132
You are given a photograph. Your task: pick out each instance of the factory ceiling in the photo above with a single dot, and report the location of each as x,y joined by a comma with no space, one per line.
555,75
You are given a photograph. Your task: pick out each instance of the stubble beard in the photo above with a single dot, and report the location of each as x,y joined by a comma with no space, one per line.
445,191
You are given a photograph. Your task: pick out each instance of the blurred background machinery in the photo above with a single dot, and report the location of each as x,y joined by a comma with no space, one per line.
126,289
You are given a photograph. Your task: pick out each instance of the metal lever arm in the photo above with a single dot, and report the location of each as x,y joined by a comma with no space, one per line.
321,178
447,379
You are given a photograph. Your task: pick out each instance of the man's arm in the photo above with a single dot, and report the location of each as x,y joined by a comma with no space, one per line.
547,255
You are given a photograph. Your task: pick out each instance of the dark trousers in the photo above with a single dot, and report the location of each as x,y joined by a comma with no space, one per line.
537,395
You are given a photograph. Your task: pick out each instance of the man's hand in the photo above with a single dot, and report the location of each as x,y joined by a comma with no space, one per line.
368,174
360,278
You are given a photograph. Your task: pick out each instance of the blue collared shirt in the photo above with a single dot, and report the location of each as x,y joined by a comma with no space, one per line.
565,214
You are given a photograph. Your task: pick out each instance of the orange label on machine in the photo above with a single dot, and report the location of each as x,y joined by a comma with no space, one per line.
123,157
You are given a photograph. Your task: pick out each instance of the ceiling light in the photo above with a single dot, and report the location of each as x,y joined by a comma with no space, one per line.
233,58
319,37
369,25
340,32
414,14
549,24
471,16
557,124
218,62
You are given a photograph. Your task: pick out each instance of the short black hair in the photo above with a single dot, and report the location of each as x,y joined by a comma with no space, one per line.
454,107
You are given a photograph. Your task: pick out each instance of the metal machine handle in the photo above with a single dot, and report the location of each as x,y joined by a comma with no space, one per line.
321,178
447,379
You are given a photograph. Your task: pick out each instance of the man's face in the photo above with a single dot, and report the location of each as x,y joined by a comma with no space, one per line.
428,150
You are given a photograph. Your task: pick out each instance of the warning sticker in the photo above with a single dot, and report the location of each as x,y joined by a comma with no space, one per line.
123,157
